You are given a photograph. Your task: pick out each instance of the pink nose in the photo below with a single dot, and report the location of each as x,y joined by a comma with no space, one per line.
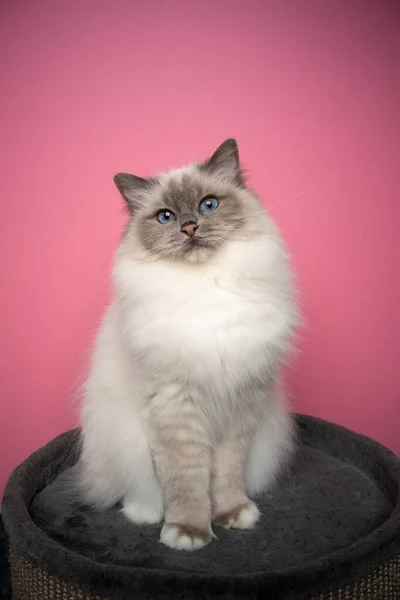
189,228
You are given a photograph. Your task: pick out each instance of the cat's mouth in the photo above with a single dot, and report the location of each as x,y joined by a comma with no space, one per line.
198,248
196,242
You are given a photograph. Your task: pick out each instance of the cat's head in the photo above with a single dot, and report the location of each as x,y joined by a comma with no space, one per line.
189,213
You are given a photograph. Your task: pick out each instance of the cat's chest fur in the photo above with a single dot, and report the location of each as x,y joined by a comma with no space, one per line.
220,321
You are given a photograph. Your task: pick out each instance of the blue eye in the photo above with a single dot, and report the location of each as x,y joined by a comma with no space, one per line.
209,204
165,216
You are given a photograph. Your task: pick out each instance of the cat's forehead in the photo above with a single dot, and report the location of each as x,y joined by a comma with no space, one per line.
185,186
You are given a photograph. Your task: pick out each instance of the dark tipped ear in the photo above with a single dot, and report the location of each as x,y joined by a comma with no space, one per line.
224,163
134,190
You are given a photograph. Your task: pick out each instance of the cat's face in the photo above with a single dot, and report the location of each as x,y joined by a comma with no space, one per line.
190,213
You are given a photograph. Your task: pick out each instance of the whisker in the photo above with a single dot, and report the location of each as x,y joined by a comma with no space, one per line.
309,189
107,280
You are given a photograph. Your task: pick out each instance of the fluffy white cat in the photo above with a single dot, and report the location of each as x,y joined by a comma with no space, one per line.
184,419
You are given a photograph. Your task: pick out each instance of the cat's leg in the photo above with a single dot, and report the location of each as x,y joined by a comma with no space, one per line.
116,462
143,502
270,448
182,455
231,505
184,469
249,457
120,468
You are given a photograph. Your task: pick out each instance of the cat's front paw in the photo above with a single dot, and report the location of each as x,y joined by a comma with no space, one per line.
242,516
185,537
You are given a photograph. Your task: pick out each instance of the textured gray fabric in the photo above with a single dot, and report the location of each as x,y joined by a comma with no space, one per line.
334,515
323,505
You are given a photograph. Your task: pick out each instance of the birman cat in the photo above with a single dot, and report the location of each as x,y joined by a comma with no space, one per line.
184,419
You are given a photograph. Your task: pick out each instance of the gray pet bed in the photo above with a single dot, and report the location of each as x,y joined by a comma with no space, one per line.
329,530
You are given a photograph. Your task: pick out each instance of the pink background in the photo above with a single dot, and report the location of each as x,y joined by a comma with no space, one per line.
311,91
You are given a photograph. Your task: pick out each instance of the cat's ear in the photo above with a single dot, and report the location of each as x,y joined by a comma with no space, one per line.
134,190
224,163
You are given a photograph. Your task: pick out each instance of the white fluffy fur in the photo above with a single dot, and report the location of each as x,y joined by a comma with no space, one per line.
198,330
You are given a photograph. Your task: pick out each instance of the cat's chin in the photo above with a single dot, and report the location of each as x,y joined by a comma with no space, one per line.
197,257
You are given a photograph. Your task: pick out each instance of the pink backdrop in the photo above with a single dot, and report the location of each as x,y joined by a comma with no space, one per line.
311,91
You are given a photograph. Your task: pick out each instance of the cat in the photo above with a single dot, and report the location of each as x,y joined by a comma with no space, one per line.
184,418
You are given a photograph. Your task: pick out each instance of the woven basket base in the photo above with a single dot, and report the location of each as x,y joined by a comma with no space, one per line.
30,582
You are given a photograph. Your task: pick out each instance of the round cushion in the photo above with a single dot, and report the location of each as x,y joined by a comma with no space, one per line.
330,528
